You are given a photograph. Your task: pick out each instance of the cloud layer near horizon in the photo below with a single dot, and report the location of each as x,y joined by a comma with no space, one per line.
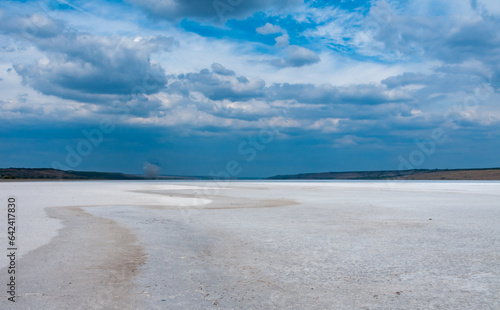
357,78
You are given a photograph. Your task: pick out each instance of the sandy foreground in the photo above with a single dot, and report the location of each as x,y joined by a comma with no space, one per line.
253,245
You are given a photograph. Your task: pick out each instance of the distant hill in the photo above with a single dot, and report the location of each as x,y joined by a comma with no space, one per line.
55,174
7,174
417,174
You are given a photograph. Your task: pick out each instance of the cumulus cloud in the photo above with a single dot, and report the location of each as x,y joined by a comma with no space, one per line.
269,28
218,98
215,86
297,56
449,40
220,69
218,84
407,78
446,82
99,69
32,26
93,68
362,94
282,41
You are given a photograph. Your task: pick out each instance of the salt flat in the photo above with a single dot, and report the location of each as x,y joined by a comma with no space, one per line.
256,245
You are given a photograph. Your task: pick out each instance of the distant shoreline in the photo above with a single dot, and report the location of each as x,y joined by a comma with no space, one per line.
482,174
49,174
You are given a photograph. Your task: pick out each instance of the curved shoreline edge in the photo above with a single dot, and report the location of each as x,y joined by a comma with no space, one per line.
90,264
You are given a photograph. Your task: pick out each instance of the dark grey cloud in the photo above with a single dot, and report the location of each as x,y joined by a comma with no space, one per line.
218,84
458,75
405,79
445,81
297,56
30,26
220,69
212,10
230,97
478,41
469,50
449,40
91,68
79,64
139,106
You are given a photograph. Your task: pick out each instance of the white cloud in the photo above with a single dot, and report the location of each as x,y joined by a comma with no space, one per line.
491,6
353,140
226,99
326,125
88,67
282,41
269,28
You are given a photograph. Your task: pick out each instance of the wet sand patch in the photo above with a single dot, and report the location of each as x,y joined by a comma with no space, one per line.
90,264
218,202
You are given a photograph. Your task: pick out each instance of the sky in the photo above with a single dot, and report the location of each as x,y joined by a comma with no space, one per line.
239,88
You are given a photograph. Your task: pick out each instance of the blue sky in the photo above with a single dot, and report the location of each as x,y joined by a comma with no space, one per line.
249,88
